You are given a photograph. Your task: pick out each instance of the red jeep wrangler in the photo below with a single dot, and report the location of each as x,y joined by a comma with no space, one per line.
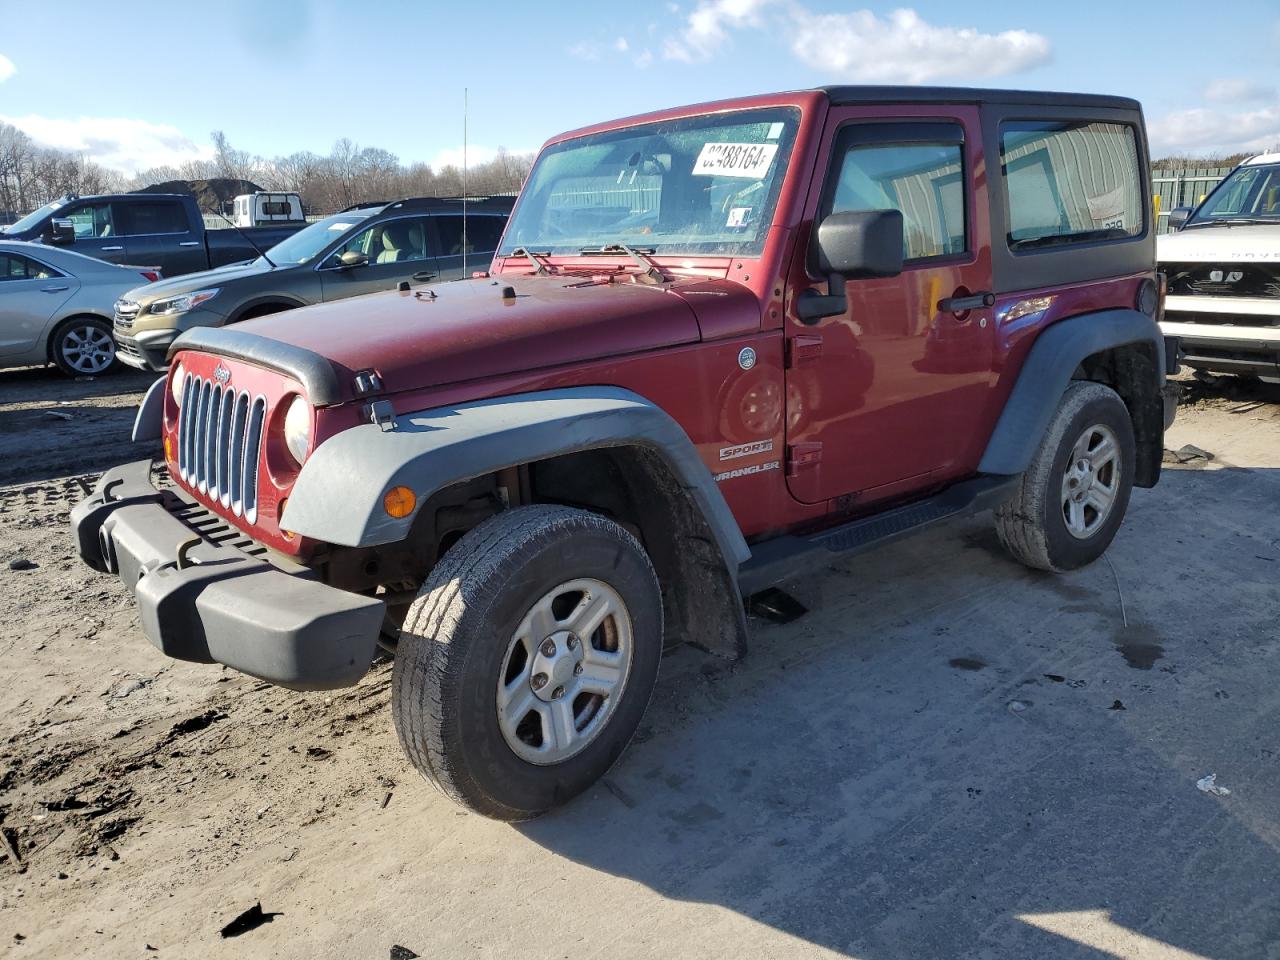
714,340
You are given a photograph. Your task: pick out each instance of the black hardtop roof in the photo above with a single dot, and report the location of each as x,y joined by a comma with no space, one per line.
840,94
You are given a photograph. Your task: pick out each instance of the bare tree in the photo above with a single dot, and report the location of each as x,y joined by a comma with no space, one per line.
31,175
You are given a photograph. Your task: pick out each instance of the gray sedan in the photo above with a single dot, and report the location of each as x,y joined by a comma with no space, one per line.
56,307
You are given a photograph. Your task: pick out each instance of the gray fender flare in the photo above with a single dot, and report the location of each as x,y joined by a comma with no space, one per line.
337,497
1047,372
147,425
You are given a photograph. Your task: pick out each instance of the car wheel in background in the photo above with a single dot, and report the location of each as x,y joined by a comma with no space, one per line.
83,347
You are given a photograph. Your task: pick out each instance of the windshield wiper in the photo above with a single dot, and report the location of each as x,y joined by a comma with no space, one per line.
1228,221
545,269
641,257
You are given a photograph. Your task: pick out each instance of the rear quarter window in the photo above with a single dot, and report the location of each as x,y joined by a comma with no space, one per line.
1070,181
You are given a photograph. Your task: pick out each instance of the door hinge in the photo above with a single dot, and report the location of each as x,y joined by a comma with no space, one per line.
382,413
802,456
802,348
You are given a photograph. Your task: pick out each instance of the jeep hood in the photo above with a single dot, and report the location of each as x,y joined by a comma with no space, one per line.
468,329
1241,243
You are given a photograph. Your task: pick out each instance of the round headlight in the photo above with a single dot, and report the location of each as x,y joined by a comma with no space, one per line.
297,429
175,383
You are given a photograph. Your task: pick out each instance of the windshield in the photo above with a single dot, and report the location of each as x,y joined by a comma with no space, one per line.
31,219
702,185
1249,193
306,244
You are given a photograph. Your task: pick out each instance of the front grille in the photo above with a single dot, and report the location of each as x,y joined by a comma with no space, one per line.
129,350
1223,279
126,313
220,435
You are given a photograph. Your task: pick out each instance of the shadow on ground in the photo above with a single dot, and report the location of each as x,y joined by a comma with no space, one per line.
950,752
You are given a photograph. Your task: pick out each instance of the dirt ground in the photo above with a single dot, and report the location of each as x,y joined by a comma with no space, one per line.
948,756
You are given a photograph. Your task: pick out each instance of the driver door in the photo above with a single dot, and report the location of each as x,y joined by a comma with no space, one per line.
889,397
394,250
96,232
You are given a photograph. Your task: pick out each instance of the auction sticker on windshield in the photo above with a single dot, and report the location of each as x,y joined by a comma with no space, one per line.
747,160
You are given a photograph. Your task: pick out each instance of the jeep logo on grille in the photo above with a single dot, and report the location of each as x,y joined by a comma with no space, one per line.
221,374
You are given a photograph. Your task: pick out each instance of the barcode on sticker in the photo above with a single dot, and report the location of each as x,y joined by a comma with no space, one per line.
747,160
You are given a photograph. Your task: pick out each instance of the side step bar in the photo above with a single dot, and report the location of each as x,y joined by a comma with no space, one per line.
776,560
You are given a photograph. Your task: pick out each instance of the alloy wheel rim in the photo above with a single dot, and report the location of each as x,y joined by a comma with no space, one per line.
564,671
1091,481
88,349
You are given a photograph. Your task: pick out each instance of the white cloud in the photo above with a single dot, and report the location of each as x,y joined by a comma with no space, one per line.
903,48
7,69
708,26
1237,90
120,143
1204,130
861,46
594,50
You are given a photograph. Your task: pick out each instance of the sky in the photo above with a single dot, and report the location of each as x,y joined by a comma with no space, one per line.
139,84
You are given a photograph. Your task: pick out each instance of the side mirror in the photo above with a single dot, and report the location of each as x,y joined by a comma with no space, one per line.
1178,217
348,260
59,232
853,245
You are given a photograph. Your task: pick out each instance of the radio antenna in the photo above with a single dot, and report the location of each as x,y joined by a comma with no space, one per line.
464,183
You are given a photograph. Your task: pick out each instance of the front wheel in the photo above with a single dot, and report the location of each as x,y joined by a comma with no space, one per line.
1073,496
527,660
83,347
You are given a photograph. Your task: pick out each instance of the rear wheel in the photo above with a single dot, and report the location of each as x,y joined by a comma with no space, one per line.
528,659
83,347
1073,496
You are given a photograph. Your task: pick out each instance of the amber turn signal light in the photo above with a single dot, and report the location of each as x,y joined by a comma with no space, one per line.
399,502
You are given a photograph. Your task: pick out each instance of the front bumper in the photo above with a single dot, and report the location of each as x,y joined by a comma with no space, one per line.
145,350
204,600
1228,348
148,348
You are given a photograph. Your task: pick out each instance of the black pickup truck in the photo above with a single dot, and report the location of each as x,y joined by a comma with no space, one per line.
162,230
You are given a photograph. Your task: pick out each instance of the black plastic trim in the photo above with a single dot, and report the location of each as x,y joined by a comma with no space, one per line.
317,375
775,560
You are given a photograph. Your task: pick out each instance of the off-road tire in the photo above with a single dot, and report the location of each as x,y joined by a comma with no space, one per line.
58,345
456,636
1031,524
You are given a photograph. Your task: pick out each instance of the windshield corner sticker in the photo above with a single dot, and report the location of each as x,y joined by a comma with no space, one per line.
738,217
747,471
775,131
750,161
746,450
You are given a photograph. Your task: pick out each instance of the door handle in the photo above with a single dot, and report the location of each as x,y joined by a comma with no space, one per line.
424,275
111,249
189,243
973,302
52,289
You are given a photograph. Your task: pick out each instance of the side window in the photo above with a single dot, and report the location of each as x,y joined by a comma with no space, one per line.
449,230
14,266
1070,182
393,241
149,218
483,232
92,220
925,180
